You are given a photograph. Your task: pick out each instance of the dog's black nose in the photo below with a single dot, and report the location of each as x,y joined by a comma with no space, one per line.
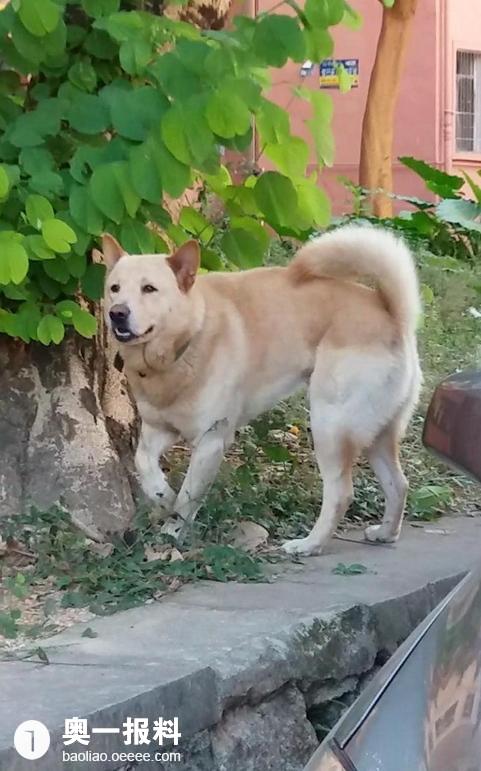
119,314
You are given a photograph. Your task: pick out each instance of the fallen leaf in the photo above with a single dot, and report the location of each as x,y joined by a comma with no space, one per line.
102,549
154,553
295,430
249,535
175,555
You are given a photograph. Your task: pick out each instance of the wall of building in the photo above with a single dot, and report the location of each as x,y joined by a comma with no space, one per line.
418,127
463,32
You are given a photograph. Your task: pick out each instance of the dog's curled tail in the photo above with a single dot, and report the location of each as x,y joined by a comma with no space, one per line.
360,251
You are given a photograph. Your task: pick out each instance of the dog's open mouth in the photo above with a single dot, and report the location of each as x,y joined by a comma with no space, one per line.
125,335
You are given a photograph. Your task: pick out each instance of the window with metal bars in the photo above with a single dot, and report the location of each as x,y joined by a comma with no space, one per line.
468,101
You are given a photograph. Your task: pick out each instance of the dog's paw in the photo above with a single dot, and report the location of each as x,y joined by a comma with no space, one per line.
302,546
175,527
380,534
159,493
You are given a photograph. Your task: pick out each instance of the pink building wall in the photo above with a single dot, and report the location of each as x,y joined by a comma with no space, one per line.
424,125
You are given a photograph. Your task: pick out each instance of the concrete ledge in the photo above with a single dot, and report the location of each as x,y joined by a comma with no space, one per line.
240,665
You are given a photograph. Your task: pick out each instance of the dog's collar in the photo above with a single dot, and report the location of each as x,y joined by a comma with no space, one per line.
119,361
178,355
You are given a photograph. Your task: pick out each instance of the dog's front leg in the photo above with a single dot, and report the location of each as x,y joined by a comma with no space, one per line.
205,461
153,443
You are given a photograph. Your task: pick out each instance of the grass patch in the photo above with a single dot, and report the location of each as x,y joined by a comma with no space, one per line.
270,477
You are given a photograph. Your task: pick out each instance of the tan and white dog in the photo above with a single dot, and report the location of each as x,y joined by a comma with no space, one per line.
206,354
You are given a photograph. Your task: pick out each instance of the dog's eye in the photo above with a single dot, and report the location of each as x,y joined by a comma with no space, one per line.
148,289
115,288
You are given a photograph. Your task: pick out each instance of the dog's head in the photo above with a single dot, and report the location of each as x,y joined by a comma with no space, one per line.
147,294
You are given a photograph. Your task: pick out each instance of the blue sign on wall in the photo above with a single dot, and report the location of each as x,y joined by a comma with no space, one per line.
329,72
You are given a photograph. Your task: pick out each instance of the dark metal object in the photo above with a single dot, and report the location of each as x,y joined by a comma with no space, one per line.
422,711
453,423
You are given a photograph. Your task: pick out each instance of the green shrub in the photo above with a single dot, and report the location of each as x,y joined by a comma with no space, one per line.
107,115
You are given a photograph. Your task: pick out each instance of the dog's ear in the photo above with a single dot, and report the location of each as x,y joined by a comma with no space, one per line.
185,264
111,251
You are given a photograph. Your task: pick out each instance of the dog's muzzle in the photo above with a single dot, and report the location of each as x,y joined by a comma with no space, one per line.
119,319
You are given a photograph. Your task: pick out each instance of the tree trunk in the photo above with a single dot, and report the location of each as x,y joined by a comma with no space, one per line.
67,422
67,427
375,170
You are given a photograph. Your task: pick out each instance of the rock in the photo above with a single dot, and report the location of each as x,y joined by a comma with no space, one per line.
247,739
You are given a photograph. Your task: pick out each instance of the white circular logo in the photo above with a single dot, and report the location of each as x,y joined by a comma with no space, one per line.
31,739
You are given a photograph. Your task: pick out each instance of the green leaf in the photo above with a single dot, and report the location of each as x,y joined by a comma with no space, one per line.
272,122
349,570
106,194
324,13
84,323
278,38
88,114
36,160
97,8
319,44
37,245
196,224
314,205
461,212
174,134
84,211
58,235
92,282
176,176
277,454
39,18
38,209
345,80
124,183
13,260
388,3
136,238
429,501
276,197
146,171
82,74
439,182
113,192
210,260
241,247
66,310
50,330
135,112
290,156
187,135
57,269
227,115
4,183
352,18
89,632
476,189
46,183
135,55
320,126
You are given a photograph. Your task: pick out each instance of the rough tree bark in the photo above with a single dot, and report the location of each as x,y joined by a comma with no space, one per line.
67,422
66,431
375,170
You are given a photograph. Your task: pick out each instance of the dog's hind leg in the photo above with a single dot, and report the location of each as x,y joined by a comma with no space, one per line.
335,456
153,443
383,457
